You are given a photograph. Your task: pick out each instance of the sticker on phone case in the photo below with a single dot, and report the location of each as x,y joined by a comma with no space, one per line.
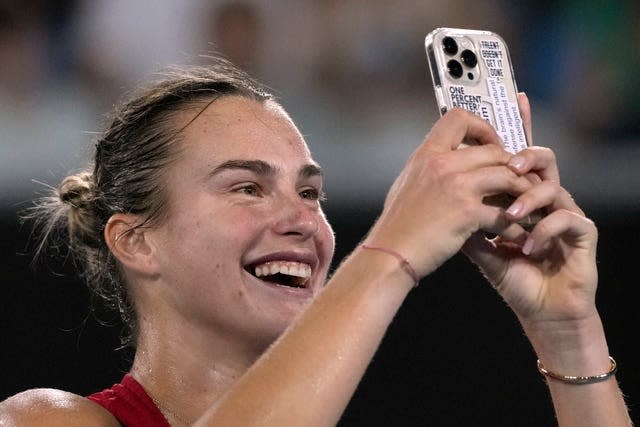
508,122
473,103
460,99
507,116
492,53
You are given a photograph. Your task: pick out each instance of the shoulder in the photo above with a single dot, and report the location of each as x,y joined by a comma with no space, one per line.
50,407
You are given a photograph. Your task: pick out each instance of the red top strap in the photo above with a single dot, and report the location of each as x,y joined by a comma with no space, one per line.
130,404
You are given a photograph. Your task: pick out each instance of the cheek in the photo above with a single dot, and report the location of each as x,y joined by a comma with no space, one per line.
223,236
193,244
326,239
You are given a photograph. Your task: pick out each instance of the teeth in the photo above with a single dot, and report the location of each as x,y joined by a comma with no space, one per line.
290,268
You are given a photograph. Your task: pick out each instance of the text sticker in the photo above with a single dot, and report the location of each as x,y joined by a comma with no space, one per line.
508,122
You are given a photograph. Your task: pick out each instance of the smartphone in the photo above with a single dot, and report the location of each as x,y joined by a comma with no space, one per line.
471,69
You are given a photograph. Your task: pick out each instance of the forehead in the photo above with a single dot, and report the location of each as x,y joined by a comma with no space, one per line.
237,127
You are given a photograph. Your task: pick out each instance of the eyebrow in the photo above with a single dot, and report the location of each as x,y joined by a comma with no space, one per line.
258,167
262,168
308,171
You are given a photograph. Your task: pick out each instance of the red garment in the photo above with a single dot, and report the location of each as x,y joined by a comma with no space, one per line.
130,404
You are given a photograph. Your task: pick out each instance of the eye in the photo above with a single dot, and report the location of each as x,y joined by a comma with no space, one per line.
250,189
313,194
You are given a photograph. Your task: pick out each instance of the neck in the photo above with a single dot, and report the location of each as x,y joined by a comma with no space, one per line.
187,369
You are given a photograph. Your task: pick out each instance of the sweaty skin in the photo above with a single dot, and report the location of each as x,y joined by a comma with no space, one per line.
211,333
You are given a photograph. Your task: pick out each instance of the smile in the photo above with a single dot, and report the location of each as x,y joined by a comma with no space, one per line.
284,273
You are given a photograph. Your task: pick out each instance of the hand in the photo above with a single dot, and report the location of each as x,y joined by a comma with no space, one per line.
435,205
547,276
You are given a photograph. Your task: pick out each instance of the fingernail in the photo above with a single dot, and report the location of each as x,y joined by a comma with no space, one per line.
517,162
528,246
514,209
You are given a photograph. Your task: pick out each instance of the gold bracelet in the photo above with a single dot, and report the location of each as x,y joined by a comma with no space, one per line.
576,379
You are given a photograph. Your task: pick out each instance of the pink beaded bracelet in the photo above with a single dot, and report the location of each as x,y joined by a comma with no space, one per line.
404,263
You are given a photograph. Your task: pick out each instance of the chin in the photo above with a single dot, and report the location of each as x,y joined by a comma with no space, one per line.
270,330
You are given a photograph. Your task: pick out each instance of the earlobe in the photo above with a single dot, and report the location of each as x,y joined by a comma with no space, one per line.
128,243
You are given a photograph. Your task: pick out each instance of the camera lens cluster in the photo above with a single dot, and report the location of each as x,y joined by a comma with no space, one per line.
467,58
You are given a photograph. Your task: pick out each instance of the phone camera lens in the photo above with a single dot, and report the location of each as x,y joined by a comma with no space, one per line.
469,58
454,68
449,45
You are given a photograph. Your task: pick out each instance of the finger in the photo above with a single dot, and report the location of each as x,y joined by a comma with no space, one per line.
547,194
534,178
456,126
565,201
467,159
490,216
506,233
570,226
480,250
479,247
541,195
489,181
489,254
540,160
525,114
513,233
492,221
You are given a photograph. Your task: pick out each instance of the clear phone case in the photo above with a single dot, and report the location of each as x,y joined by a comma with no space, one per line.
471,69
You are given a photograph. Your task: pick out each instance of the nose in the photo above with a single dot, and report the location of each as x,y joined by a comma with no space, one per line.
295,217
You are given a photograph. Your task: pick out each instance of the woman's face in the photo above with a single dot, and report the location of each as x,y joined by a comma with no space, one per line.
245,245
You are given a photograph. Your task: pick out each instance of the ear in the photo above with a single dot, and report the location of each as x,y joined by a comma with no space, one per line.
129,244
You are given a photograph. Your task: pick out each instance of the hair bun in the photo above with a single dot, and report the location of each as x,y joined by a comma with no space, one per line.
77,191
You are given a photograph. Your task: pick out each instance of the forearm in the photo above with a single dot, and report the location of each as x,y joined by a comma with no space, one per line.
580,351
308,376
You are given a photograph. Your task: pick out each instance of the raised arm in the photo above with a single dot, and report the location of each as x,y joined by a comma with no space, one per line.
308,376
549,279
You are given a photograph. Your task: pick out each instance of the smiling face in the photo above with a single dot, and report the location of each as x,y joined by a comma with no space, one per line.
244,245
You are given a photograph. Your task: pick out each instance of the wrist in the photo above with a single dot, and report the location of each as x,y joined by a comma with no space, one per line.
579,379
382,270
404,263
575,347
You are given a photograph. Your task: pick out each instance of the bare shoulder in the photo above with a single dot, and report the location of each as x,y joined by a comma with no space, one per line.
50,407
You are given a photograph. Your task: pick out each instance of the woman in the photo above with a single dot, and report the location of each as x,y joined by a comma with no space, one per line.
201,222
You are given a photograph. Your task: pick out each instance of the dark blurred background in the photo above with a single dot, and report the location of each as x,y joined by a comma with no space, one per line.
353,75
